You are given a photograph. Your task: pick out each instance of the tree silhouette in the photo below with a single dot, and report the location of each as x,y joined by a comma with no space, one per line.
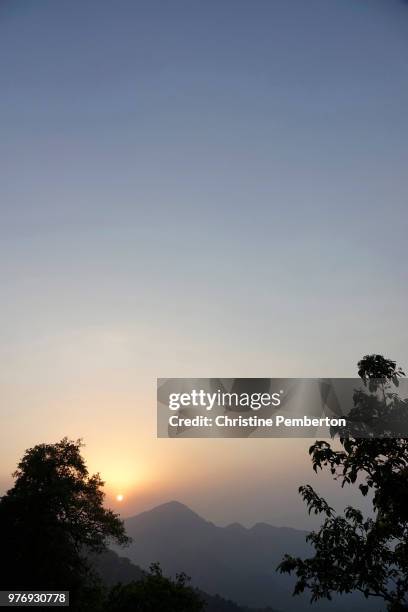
51,518
155,592
353,553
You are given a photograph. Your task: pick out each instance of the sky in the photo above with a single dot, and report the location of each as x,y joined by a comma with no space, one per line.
196,189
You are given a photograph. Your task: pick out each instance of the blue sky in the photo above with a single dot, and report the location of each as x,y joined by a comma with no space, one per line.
194,188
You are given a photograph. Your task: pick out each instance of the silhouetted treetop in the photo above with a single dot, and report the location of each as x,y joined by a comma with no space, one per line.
52,517
353,553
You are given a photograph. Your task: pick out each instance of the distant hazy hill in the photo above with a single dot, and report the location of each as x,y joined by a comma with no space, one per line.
236,562
113,569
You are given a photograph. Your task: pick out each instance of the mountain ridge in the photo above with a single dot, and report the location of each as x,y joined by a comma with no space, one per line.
180,507
235,561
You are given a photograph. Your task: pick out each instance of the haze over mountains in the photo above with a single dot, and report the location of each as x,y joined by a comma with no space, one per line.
114,569
233,561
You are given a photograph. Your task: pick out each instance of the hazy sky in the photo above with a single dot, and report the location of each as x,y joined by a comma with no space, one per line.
195,188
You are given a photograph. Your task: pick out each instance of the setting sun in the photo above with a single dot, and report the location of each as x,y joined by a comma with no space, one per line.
119,497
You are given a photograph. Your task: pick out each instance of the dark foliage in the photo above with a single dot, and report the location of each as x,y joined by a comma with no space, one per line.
353,553
155,592
51,516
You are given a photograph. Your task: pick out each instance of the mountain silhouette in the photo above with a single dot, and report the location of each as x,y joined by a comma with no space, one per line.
236,562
